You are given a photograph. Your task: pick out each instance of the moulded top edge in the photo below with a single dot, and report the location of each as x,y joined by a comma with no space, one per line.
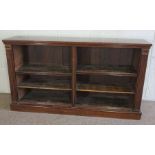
71,41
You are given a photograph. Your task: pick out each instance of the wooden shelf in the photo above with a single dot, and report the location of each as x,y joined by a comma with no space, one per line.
45,84
44,97
103,102
45,70
104,89
107,70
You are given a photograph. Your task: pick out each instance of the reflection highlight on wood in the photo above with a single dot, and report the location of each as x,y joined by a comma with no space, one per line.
98,88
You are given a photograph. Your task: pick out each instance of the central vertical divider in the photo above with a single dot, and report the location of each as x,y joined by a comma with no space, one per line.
74,68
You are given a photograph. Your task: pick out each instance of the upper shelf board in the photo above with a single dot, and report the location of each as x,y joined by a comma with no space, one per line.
79,42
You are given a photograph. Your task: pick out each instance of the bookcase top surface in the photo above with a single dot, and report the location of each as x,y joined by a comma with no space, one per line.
71,41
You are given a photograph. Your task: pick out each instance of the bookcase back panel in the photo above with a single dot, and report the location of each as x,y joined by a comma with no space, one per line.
109,57
43,55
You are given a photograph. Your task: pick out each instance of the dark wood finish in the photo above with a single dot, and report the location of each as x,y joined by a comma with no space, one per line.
80,76
141,77
44,70
11,71
113,71
46,85
46,97
106,102
78,42
74,67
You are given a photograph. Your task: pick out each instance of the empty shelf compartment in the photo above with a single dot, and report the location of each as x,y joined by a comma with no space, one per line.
45,82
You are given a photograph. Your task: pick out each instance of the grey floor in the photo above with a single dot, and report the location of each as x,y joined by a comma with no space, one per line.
8,117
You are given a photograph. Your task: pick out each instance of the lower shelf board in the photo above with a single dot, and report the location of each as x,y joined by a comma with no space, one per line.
88,100
104,89
127,71
104,104
45,84
63,99
60,102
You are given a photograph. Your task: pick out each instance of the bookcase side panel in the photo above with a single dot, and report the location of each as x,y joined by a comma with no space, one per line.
140,78
11,71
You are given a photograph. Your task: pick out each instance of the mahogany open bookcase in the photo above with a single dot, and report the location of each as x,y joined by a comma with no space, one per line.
93,77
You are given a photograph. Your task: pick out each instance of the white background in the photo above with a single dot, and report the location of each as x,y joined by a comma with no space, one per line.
79,15
149,87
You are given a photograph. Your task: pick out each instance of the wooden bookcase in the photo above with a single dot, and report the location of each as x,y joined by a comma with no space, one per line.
93,77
